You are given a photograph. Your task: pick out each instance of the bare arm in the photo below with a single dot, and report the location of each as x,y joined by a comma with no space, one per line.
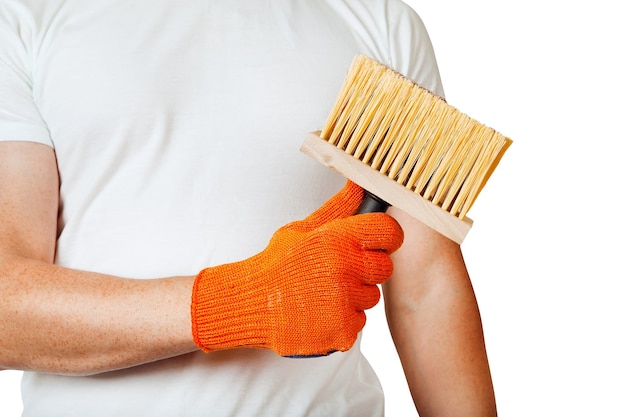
67,321
435,323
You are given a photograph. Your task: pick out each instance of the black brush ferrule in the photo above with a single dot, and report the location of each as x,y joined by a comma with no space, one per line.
372,204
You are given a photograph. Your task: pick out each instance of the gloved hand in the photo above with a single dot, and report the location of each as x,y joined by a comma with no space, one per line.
305,294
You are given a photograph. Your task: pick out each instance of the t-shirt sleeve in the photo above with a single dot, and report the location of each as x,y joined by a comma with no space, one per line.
410,47
20,119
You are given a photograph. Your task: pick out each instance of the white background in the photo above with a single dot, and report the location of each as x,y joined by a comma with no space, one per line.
546,249
546,252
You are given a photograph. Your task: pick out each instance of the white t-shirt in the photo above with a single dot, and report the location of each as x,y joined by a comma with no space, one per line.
176,126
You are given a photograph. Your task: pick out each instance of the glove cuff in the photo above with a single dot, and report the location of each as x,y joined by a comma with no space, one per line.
227,310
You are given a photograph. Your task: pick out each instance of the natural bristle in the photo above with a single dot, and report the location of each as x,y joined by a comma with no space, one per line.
413,136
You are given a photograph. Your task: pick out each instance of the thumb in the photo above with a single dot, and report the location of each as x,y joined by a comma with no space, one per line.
343,204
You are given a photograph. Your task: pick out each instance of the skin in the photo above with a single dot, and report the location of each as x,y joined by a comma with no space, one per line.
47,310
436,327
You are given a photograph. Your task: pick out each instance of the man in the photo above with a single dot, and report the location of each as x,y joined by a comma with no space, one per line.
148,154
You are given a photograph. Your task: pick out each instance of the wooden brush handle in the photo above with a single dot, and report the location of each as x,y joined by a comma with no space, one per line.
372,204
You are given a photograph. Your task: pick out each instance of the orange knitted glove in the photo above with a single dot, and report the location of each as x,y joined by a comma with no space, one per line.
306,293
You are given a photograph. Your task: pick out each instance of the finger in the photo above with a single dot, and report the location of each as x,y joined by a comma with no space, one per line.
372,231
382,232
376,267
364,297
343,204
346,338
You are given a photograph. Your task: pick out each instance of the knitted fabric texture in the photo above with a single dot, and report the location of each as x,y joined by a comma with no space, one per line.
306,293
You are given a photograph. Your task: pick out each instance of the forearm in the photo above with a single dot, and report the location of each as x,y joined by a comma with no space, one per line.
65,321
436,327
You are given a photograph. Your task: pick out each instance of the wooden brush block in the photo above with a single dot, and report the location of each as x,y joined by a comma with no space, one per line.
385,188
